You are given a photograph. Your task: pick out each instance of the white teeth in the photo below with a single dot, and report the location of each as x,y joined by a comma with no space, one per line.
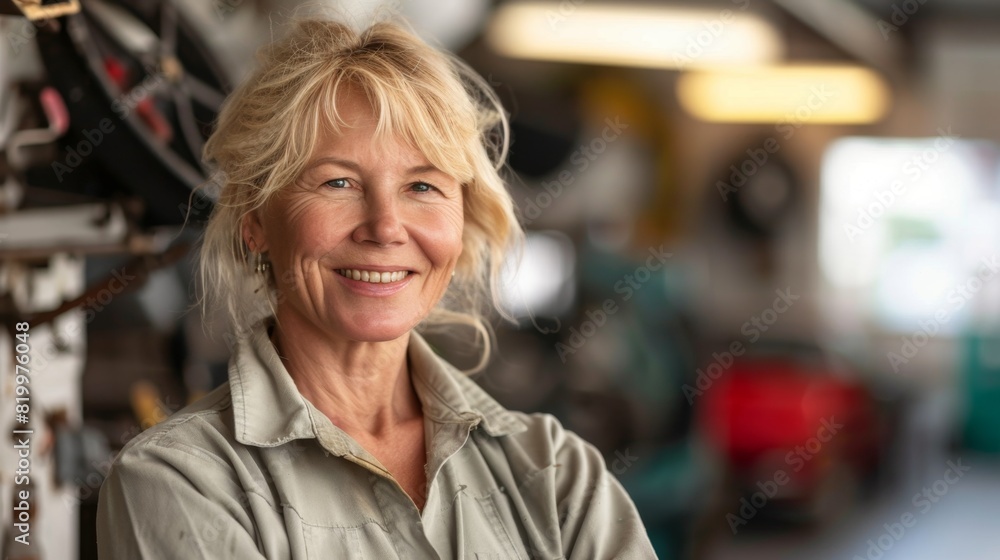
372,276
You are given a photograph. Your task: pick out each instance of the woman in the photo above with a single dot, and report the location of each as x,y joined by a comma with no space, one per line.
360,200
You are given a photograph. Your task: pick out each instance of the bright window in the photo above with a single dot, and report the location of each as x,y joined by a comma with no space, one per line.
909,228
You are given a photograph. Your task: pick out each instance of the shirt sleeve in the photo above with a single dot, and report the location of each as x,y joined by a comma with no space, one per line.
164,502
598,519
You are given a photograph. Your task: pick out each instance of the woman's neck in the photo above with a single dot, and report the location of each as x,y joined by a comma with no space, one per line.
364,388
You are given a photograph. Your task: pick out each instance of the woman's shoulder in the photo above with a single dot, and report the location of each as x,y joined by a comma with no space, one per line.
544,427
201,429
545,443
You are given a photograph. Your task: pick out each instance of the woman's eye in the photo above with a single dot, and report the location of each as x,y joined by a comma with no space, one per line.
338,183
423,187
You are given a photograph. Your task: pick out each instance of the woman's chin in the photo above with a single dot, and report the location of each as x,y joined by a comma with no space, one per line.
376,331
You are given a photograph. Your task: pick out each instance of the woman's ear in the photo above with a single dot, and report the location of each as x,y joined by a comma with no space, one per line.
253,233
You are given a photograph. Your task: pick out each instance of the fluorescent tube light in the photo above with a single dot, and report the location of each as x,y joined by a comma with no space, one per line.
632,35
799,94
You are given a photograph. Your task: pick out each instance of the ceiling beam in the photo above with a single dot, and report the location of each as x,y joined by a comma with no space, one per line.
851,28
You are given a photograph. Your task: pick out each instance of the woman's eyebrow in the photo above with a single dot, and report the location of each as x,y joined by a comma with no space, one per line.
353,166
336,161
423,169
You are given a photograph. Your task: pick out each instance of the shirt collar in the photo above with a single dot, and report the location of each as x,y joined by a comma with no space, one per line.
268,409
449,396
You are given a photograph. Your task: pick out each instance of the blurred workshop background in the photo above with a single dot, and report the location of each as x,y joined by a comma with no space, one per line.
761,271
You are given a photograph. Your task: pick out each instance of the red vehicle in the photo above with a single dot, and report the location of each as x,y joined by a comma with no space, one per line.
795,432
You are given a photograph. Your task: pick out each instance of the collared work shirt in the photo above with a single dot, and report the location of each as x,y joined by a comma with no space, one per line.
254,470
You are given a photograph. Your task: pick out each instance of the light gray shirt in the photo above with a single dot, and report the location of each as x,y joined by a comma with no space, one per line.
254,470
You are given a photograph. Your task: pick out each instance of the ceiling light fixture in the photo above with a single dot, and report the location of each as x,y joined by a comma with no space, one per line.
632,35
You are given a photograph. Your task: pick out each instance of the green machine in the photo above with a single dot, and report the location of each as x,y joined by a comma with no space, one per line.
981,431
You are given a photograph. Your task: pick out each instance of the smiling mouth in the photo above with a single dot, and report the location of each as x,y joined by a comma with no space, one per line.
372,276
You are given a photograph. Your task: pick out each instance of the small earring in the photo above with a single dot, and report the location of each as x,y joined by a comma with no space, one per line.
262,266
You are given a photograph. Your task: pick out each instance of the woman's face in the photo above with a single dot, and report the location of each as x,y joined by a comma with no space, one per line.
363,245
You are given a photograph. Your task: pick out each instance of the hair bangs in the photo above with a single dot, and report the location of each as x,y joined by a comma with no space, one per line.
404,113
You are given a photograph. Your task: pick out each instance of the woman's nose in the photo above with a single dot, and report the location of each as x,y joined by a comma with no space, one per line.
382,222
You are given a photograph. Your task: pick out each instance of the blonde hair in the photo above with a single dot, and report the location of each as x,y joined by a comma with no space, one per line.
267,127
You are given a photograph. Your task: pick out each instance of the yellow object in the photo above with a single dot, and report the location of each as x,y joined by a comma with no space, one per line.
799,94
147,405
632,35
36,9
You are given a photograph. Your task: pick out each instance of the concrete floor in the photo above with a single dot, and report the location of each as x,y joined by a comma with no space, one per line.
963,525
